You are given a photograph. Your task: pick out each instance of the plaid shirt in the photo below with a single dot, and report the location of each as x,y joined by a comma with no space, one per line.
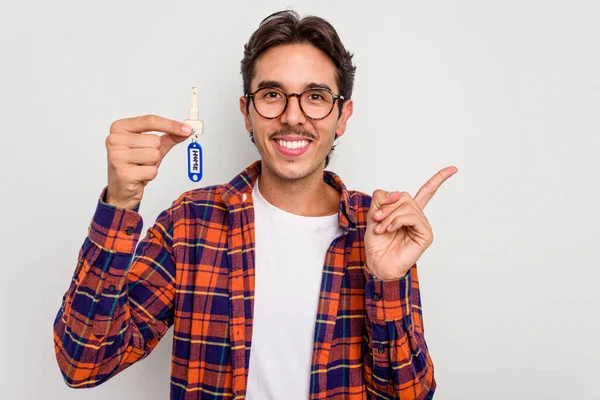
195,270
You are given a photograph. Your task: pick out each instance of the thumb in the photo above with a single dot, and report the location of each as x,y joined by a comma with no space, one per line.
379,200
168,141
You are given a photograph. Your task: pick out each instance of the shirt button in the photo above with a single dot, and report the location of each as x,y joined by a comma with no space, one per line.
381,350
130,231
244,197
376,296
111,288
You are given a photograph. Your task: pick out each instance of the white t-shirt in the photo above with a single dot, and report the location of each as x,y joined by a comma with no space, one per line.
290,254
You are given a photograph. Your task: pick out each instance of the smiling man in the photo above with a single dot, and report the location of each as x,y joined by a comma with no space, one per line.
281,284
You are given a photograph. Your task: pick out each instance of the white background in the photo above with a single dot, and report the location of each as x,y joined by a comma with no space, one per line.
508,91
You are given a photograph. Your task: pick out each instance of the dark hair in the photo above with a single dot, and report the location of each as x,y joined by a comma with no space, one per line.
286,27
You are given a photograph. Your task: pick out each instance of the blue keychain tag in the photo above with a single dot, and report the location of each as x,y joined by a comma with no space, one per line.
195,161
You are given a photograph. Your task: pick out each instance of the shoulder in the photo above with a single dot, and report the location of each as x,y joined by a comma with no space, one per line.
208,197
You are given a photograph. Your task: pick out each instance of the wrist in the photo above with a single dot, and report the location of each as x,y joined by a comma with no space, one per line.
128,204
377,274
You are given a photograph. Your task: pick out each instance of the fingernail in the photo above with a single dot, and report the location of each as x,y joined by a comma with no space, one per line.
186,129
378,213
378,228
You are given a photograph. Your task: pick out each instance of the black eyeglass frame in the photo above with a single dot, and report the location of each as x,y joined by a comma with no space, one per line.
336,97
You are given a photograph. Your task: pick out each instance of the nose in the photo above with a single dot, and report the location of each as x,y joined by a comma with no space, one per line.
293,114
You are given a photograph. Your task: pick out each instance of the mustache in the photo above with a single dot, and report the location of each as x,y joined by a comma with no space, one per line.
291,131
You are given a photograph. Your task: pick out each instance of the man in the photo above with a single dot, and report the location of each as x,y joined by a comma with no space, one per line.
281,284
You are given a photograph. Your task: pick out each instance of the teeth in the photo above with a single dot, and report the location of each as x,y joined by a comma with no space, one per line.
293,145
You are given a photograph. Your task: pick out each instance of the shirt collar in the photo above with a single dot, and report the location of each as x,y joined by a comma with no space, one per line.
242,184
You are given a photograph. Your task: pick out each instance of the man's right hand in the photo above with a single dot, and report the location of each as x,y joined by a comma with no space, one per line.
134,158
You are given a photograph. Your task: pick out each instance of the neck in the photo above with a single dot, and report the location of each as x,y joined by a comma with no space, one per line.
309,196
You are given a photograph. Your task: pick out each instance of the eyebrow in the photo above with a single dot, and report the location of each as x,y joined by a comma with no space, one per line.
279,85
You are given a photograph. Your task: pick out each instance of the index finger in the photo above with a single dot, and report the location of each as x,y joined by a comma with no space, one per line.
432,185
151,123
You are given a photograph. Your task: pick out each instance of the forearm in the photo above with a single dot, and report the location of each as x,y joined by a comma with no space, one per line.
93,333
106,321
398,363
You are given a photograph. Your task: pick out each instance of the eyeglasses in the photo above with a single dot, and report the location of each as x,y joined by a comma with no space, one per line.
315,103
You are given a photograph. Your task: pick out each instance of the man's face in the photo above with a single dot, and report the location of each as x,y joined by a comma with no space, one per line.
295,68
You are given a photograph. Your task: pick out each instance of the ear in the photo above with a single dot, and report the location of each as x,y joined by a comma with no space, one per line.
246,114
347,110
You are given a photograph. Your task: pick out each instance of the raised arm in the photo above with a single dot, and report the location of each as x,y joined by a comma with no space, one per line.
118,306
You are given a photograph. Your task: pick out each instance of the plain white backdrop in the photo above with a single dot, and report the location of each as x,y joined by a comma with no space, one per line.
509,92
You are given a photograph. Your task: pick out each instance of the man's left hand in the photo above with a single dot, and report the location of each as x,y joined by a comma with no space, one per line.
397,230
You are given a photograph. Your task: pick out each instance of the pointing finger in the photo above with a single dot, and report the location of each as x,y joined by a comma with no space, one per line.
430,187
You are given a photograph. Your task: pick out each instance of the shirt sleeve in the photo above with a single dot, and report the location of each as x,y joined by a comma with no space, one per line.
118,305
397,362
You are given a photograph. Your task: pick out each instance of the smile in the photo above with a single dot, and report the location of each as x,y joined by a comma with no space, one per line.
292,145
292,148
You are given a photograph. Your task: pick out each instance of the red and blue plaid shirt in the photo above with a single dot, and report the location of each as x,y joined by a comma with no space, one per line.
195,270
